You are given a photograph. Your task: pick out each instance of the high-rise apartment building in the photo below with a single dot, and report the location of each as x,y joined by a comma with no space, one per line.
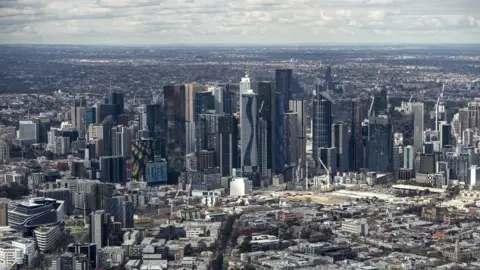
4,152
299,107
248,136
291,139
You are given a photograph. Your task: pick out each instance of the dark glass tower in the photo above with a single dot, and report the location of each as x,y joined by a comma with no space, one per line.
117,99
156,127
278,145
380,144
356,140
228,100
322,124
228,141
283,84
266,111
340,140
174,99
203,102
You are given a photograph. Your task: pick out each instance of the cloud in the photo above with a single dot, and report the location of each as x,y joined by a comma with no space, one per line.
238,21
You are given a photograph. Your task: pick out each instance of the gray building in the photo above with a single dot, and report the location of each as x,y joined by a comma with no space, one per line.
418,123
340,140
321,124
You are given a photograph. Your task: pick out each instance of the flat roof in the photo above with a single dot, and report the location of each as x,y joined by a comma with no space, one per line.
410,187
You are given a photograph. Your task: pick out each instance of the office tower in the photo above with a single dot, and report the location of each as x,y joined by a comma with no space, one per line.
78,116
380,102
28,131
299,107
321,124
458,164
61,194
427,164
228,100
117,99
113,169
278,166
105,110
3,212
445,134
204,102
142,153
121,141
25,216
406,127
155,124
248,136
191,162
98,228
380,143
356,140
157,172
263,149
176,133
206,159
473,117
107,125
408,157
120,209
190,90
283,84
266,111
4,152
228,144
467,137
90,117
219,93
418,122
207,131
340,140
328,79
291,139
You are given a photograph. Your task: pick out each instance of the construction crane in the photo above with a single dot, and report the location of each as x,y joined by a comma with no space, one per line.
319,180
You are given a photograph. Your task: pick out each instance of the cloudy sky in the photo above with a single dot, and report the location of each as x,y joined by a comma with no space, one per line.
239,21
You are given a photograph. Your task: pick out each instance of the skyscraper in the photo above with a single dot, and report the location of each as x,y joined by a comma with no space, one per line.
142,153
380,143
155,123
107,125
98,228
283,84
78,115
266,111
90,117
262,149
174,98
105,110
117,99
248,136
113,169
207,131
445,134
418,122
356,140
228,100
299,107
121,141
322,124
328,79
291,139
278,166
340,140
227,146
120,209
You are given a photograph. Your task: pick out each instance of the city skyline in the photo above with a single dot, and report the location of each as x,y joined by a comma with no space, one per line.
253,22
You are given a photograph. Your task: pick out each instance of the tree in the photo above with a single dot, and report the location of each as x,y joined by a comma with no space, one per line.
246,246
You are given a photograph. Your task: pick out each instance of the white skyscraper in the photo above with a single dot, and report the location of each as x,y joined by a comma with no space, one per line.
248,135
245,85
